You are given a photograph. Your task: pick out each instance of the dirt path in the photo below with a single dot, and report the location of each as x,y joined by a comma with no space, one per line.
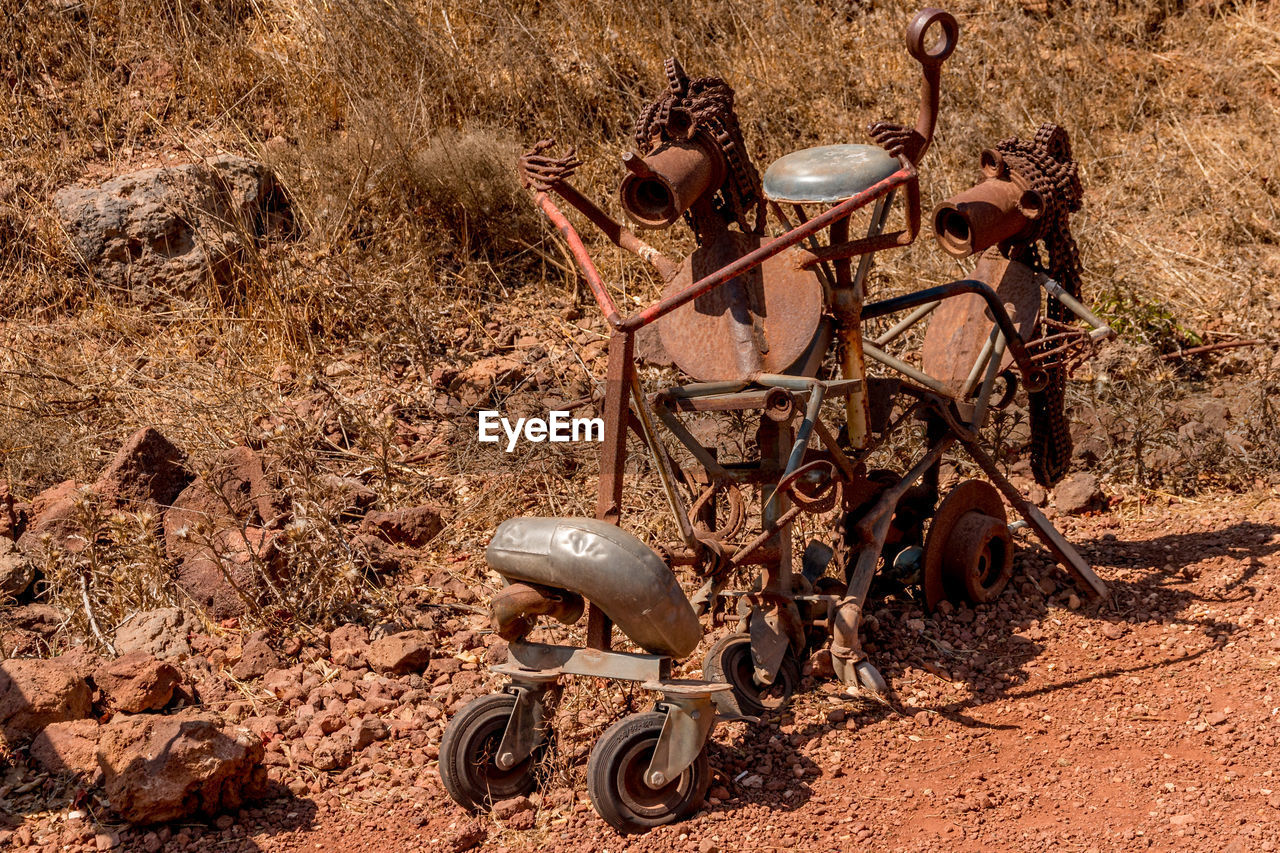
1149,723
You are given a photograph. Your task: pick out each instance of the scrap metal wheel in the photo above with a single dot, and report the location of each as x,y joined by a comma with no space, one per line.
968,554
729,660
468,753
616,784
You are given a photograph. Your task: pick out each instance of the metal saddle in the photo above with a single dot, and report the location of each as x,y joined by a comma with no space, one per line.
827,174
605,565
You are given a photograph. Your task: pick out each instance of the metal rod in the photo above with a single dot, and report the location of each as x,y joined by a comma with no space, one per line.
751,260
984,396
695,447
580,254
878,215
806,429
978,364
1076,307
828,277
905,369
662,459
1035,378
906,323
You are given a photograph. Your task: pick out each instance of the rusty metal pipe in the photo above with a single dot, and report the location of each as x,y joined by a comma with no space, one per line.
515,607
666,183
582,256
992,212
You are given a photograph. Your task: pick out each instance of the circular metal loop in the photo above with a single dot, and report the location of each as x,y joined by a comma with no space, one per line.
1037,379
1010,380
919,29
779,404
992,162
736,513
826,498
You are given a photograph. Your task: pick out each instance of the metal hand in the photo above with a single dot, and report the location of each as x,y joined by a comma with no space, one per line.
897,139
543,173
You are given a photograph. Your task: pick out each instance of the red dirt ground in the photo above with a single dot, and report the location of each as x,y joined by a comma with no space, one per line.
1150,722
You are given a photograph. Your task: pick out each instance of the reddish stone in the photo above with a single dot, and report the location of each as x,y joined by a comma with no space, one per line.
402,653
137,682
413,527
35,693
148,472
161,768
68,747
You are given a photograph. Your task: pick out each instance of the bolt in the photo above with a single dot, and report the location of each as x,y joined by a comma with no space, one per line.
657,780
505,761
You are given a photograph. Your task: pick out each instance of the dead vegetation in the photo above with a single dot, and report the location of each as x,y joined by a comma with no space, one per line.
394,127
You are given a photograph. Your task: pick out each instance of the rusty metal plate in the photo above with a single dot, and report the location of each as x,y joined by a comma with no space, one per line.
828,173
961,325
767,320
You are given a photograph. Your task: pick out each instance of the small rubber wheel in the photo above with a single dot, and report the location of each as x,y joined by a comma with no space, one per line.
729,660
615,777
468,754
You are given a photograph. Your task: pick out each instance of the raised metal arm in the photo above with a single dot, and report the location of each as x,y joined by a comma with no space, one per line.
543,174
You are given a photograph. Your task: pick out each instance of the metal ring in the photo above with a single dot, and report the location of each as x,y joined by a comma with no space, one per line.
919,28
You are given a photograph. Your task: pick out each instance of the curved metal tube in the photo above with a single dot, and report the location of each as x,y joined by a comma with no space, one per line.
1033,377
515,607
606,565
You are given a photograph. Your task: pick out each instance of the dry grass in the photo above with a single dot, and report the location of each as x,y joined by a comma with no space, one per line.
394,124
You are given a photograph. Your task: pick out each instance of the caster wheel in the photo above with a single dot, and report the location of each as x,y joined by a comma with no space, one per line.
729,660
615,777
468,753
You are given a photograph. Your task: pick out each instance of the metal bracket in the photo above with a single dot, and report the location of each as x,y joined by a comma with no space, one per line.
774,626
684,733
528,661
525,726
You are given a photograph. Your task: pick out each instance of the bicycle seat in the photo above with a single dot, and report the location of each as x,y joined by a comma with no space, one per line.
827,174
607,566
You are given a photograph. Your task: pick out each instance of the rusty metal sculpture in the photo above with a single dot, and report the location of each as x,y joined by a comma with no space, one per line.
749,318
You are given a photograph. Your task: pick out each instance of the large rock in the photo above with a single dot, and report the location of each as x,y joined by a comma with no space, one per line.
256,660
166,230
1078,493
35,692
348,645
16,571
55,519
161,633
413,527
69,747
217,532
408,651
137,682
148,472
160,768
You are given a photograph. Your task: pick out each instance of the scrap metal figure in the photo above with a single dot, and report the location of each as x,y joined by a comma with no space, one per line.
750,318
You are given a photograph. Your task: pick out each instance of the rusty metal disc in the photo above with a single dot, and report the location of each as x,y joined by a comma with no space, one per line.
960,326
767,320
959,556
